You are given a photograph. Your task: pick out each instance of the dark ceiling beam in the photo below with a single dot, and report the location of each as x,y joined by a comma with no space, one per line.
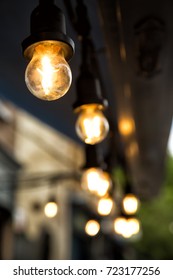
139,45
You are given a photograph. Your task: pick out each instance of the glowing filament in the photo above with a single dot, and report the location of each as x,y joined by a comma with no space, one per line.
92,126
47,74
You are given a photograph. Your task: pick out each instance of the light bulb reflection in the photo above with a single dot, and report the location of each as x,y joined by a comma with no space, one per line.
91,126
48,75
51,209
126,126
92,227
130,204
96,181
105,206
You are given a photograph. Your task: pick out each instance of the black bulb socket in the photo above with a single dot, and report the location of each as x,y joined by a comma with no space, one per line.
88,92
93,159
47,23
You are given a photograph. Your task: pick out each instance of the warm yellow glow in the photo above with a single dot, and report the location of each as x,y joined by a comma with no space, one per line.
104,184
92,227
90,179
130,204
96,181
119,225
123,52
51,209
48,75
91,126
134,225
126,227
105,206
132,150
126,126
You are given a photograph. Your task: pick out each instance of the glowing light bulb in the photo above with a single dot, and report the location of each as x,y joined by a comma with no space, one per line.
91,126
130,204
96,181
48,75
92,227
105,206
119,225
90,179
126,227
134,225
104,184
127,233
51,209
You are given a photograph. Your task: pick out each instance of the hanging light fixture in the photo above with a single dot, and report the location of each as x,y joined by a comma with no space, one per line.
119,225
126,226
94,178
51,208
92,227
48,75
96,181
130,202
105,205
91,125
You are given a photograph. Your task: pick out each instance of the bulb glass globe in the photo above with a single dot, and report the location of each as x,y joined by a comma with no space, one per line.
51,209
91,126
105,206
92,227
126,227
90,179
130,204
120,225
96,181
104,184
48,75
134,225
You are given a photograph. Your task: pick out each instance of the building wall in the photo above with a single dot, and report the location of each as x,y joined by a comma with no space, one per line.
43,154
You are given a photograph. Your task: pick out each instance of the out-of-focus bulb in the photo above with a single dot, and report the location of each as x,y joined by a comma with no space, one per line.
134,225
92,227
51,209
48,75
90,179
130,204
96,181
126,227
91,126
104,184
105,206
126,126
119,225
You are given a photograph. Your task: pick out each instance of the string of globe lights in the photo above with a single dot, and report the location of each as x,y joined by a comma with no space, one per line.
92,126
119,210
48,77
126,224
